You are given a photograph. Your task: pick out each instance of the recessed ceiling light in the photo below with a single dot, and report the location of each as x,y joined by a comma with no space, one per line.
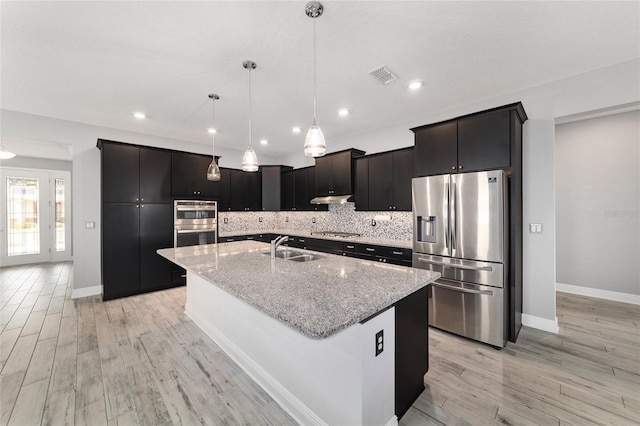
139,115
264,142
212,130
415,85
343,112
295,129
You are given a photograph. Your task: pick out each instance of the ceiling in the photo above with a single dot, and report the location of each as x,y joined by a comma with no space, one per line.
98,62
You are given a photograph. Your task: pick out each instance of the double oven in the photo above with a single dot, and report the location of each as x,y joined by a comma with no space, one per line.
195,222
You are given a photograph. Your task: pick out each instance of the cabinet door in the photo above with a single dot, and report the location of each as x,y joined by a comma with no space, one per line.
238,190
120,173
254,191
155,176
288,188
183,174
323,180
224,190
120,249
156,232
436,149
302,191
483,142
361,184
381,182
206,188
311,191
341,173
402,175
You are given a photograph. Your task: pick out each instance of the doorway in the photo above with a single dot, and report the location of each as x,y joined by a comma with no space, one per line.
35,218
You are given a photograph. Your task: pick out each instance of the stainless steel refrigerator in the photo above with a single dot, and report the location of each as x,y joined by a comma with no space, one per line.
460,229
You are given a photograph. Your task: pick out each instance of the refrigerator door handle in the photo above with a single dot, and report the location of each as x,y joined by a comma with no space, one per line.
445,214
452,213
453,265
462,290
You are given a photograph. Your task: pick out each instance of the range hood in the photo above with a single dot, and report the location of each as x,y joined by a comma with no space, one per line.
331,199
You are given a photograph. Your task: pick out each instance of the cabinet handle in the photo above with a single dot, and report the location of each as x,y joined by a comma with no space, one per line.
141,199
137,206
301,240
397,252
370,249
350,247
459,167
453,167
141,205
137,199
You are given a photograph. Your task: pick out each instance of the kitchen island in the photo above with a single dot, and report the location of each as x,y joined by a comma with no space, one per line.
319,336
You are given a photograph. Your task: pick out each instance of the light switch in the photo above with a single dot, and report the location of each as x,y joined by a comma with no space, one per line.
535,228
90,225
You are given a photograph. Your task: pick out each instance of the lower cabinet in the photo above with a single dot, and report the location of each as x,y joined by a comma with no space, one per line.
412,348
131,235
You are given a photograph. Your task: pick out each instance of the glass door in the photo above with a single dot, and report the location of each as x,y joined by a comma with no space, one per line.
33,224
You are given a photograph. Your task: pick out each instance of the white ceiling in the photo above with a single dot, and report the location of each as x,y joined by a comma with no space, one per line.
97,62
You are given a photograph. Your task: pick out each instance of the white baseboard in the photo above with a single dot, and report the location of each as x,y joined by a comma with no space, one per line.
599,293
543,324
78,293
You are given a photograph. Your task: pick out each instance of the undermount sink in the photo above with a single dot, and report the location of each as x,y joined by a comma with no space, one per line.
294,255
304,258
285,254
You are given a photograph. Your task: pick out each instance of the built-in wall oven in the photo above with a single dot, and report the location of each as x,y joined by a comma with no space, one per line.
195,222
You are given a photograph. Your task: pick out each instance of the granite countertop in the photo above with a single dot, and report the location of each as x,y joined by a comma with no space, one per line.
317,298
407,244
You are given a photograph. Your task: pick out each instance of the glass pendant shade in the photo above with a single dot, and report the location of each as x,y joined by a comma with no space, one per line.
314,144
250,161
5,155
213,172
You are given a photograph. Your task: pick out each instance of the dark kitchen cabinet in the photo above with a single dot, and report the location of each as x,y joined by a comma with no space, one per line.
361,183
245,191
436,149
411,348
481,141
224,190
189,176
333,173
484,142
298,190
137,219
131,173
383,181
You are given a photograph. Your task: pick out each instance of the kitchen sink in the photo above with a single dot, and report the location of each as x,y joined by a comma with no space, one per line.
285,254
304,258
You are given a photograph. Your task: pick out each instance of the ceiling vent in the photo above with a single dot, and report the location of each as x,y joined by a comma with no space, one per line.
383,75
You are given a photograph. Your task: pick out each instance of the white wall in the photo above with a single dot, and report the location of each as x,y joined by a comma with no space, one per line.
598,203
37,163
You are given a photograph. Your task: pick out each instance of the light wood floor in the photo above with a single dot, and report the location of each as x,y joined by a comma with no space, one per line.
140,360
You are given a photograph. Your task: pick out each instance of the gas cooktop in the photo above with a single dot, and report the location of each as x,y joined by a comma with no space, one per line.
336,234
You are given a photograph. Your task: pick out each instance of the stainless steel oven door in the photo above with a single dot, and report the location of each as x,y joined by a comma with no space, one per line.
470,310
194,237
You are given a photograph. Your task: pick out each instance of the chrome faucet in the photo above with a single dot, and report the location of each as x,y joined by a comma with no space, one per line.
275,243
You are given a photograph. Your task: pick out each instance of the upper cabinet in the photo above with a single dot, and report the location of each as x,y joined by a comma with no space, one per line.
189,176
135,174
334,174
245,191
481,141
298,190
383,181
273,187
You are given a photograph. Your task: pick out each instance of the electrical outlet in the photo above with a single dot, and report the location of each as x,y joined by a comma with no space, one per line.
260,219
379,342
226,220
286,218
373,222
313,220
535,228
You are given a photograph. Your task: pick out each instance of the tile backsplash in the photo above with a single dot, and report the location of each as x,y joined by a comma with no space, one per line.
340,218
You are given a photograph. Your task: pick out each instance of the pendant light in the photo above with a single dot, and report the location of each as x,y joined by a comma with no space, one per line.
314,144
213,172
4,154
249,160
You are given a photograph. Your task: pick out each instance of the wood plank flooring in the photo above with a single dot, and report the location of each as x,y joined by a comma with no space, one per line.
141,361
